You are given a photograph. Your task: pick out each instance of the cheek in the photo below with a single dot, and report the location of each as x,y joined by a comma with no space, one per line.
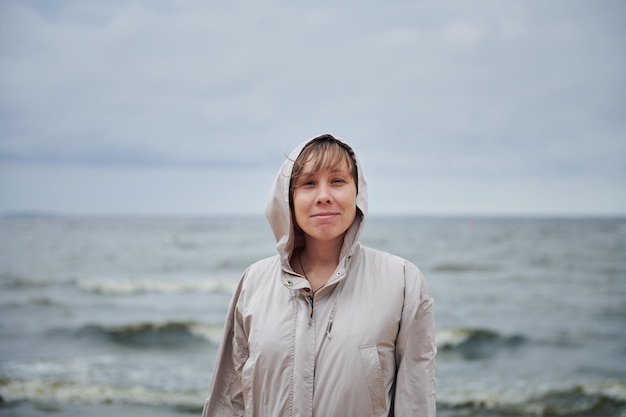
352,196
299,207
353,210
350,203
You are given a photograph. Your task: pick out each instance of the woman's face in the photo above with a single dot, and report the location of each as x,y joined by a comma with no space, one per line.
324,202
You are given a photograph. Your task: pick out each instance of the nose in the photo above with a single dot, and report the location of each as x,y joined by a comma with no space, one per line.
324,195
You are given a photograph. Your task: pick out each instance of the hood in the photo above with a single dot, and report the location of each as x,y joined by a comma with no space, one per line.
281,221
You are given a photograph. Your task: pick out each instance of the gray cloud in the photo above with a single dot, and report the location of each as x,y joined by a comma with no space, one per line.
518,91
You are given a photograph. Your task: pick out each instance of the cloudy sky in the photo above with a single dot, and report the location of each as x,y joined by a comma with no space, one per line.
188,107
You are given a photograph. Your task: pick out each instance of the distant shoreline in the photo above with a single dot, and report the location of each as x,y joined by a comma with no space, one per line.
28,214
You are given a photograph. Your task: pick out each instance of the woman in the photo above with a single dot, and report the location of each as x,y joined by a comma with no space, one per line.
328,327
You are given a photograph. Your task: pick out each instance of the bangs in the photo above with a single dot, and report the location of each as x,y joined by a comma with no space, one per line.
331,159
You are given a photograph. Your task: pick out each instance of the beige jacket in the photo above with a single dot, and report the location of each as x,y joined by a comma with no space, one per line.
362,346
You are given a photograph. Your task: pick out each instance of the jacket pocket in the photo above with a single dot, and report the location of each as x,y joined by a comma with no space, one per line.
370,361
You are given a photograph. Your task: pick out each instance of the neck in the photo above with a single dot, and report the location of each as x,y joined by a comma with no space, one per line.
318,260
322,253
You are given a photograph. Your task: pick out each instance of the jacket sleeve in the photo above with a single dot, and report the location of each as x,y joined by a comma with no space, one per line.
225,398
416,350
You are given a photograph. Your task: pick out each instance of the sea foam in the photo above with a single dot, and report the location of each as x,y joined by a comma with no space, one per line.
139,286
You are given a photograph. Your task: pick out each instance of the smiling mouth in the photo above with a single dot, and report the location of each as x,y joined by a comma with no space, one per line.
324,215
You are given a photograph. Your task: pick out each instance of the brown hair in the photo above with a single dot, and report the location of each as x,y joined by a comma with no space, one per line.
327,152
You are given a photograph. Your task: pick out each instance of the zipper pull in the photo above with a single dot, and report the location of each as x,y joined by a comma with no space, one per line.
329,328
310,302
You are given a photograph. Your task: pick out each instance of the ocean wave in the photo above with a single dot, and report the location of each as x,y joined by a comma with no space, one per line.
469,342
134,287
35,301
59,392
12,281
159,335
474,343
606,399
464,267
125,286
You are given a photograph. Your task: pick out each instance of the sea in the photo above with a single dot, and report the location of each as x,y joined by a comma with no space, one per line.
122,316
